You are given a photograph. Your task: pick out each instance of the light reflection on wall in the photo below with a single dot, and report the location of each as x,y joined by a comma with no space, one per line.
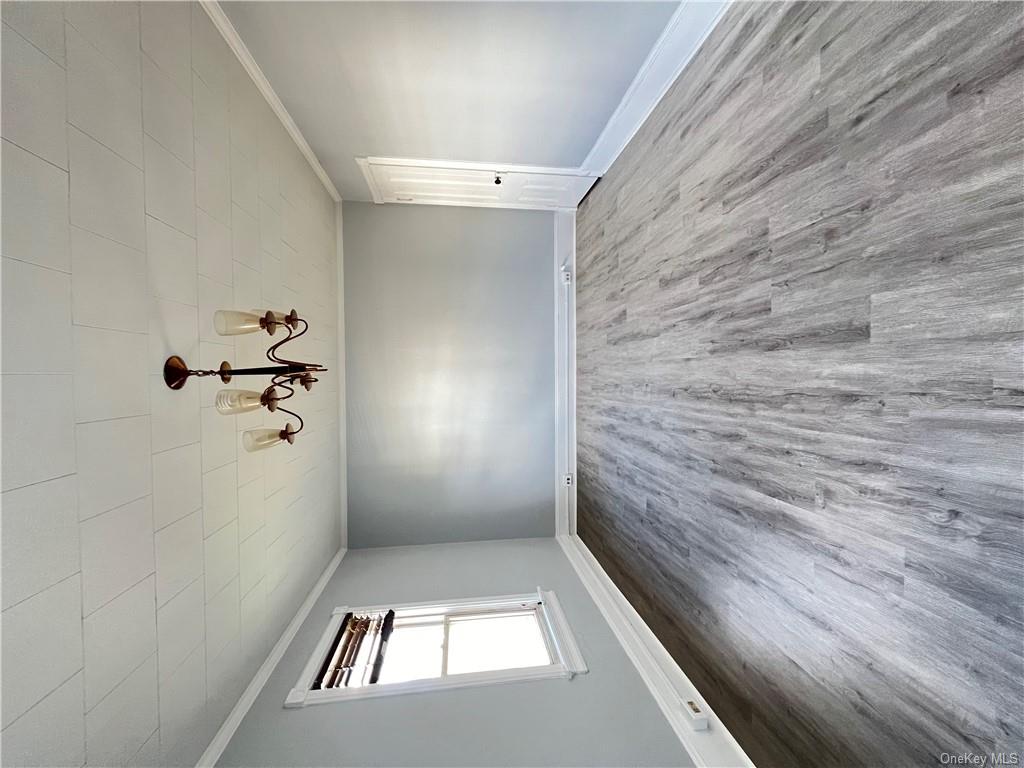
450,338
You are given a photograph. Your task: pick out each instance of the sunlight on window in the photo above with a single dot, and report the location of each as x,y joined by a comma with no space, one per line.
503,641
418,647
413,653
480,643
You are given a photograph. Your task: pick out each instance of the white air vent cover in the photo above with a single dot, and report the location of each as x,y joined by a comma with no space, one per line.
432,183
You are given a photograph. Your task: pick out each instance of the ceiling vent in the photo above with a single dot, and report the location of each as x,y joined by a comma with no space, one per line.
429,182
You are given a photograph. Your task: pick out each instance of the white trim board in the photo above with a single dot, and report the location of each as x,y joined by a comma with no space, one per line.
227,729
484,185
682,37
472,166
234,40
565,369
671,688
339,246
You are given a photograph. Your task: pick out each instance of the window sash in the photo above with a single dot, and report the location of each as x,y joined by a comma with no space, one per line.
566,660
447,618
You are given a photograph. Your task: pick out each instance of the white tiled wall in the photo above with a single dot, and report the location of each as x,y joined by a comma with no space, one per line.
149,563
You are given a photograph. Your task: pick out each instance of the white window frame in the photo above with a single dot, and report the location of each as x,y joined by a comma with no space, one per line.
567,661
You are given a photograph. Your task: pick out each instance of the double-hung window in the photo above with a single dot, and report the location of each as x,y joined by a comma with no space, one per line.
382,650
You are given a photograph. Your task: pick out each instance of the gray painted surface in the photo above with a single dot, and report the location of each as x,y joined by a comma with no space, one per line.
800,379
510,82
606,717
449,318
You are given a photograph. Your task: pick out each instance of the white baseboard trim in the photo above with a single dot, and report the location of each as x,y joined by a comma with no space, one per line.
669,685
220,742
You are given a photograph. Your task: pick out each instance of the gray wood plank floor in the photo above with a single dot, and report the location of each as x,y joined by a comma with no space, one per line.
799,335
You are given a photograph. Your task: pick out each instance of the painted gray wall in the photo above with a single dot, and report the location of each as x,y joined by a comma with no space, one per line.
800,379
606,717
449,317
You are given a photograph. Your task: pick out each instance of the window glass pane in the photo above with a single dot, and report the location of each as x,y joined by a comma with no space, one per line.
503,641
413,653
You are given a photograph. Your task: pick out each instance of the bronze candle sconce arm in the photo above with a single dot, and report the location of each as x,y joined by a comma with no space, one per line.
286,375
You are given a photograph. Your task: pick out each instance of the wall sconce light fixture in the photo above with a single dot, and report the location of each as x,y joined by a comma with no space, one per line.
286,375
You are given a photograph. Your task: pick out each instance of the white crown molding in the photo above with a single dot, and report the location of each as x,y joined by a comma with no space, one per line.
682,37
671,688
227,729
241,51
680,40
364,166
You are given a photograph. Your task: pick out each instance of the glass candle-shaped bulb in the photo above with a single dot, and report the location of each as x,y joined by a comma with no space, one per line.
230,401
258,439
230,322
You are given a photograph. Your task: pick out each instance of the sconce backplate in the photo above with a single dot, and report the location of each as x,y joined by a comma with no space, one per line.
175,372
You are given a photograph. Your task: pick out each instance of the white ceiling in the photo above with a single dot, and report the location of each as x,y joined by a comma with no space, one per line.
529,83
